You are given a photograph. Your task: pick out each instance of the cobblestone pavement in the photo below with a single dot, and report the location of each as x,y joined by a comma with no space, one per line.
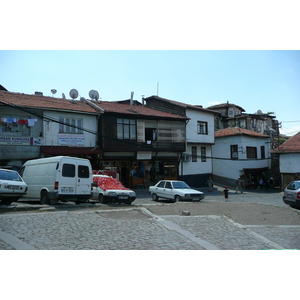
138,229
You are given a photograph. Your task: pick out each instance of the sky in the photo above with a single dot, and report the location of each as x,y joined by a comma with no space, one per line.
266,80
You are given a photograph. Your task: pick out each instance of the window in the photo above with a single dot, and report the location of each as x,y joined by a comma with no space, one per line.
194,154
262,152
83,171
126,129
251,152
70,125
234,151
68,170
203,154
202,127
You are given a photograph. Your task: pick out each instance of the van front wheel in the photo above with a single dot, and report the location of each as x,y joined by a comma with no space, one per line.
45,197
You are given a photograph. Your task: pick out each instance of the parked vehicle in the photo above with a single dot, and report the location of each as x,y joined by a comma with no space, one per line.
292,194
58,178
12,186
108,189
174,191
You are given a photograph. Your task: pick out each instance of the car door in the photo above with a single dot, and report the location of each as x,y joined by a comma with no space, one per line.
168,190
159,190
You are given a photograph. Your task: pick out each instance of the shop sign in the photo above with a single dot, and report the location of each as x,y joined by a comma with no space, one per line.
71,140
144,155
14,140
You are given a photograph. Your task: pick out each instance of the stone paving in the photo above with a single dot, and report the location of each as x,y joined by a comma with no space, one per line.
138,229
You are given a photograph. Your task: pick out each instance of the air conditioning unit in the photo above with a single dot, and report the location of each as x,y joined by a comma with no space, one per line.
186,157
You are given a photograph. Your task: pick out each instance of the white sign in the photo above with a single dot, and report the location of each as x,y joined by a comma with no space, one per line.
144,155
71,140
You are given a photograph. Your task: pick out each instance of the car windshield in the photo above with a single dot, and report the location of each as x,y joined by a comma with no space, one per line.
180,185
8,175
295,185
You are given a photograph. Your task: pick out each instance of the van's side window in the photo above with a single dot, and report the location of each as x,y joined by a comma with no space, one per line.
68,170
83,172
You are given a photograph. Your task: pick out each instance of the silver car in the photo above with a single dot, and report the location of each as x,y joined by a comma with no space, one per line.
292,194
12,186
174,190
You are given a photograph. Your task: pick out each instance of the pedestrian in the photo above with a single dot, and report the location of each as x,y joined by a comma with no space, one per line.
225,192
239,185
261,183
271,183
210,184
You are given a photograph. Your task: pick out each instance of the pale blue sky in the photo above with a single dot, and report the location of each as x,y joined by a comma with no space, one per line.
265,80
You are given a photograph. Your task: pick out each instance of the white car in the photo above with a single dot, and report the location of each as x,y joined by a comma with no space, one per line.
108,189
175,191
12,186
291,194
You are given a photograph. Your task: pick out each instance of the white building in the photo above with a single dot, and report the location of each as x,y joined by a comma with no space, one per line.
240,153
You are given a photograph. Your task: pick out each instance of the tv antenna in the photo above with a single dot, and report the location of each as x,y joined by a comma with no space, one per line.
73,94
63,95
53,91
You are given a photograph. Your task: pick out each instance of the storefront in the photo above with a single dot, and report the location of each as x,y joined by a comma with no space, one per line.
141,169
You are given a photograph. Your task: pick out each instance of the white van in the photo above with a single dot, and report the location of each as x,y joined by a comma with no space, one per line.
58,178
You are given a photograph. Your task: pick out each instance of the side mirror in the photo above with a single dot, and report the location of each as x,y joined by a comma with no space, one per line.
95,184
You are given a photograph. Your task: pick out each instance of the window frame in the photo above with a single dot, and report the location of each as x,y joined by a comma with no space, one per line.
251,152
203,154
232,151
200,126
69,125
126,129
194,153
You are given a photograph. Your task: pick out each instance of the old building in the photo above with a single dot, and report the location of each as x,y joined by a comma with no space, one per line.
195,164
241,153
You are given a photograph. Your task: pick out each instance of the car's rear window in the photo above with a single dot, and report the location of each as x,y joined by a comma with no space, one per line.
295,185
7,175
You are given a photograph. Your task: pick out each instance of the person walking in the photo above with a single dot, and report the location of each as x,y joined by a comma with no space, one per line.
210,184
239,186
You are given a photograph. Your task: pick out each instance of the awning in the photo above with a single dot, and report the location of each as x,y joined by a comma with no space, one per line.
65,150
15,152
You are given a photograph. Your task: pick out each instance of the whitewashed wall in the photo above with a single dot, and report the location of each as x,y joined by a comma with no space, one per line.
51,129
289,163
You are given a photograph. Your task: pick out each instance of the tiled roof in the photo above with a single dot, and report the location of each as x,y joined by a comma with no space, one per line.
184,105
114,107
292,145
224,105
39,101
231,131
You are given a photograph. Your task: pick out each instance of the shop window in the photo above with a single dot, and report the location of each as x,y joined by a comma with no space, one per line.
234,152
251,152
202,127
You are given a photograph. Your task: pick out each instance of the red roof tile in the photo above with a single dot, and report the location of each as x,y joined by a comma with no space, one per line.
39,101
292,145
114,107
231,131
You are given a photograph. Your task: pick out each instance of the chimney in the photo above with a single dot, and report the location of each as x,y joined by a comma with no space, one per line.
38,93
131,100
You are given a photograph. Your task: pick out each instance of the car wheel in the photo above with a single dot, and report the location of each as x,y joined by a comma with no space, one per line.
177,198
6,201
45,197
101,199
154,197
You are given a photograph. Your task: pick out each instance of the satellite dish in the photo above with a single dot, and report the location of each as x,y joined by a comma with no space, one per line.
96,95
92,94
63,95
82,99
73,93
53,91
259,112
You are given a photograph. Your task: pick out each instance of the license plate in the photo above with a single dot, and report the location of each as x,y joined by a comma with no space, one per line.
123,197
67,191
13,187
196,199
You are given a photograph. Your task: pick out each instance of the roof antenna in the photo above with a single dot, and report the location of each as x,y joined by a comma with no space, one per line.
157,89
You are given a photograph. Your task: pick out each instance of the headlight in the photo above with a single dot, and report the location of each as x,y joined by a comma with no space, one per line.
112,194
187,195
132,194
